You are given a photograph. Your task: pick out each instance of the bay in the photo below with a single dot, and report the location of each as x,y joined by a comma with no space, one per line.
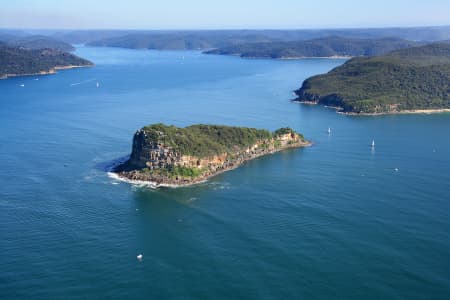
338,220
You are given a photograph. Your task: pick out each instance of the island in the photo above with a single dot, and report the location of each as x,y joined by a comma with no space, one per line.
326,47
19,61
172,156
412,80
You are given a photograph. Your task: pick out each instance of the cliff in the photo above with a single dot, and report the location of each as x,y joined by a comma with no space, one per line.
173,156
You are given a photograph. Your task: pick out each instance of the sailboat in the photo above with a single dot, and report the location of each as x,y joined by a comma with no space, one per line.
98,84
329,130
373,143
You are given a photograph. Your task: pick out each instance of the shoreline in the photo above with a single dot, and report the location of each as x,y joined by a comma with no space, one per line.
282,57
312,57
49,72
201,179
289,57
402,112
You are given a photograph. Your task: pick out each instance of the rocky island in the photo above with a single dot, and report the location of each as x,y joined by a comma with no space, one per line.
172,156
412,80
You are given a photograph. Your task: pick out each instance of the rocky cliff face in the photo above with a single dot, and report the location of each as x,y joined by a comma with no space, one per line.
154,161
334,100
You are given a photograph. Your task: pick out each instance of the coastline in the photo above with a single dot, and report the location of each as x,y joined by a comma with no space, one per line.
171,183
312,57
282,57
401,112
289,57
49,72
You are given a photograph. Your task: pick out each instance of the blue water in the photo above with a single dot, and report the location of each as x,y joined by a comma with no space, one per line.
334,221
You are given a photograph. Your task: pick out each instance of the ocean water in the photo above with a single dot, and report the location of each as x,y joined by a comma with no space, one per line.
338,220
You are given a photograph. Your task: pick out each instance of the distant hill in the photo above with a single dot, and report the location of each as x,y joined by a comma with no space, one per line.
87,36
408,79
209,39
181,40
16,61
39,42
5,37
101,37
323,47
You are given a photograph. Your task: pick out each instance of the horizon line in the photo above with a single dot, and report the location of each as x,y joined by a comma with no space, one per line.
232,29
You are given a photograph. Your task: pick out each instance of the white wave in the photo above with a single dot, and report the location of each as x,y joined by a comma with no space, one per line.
150,184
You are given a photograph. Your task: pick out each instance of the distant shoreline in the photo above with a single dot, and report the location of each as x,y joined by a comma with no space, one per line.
311,57
49,72
402,112
282,57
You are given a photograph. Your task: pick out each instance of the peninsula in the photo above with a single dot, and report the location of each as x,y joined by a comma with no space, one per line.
172,156
326,47
412,80
19,61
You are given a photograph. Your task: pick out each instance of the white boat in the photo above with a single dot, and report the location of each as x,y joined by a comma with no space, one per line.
139,257
98,84
22,85
373,143
329,130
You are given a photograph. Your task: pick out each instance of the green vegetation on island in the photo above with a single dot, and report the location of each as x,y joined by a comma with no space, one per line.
17,61
415,78
322,47
171,155
207,140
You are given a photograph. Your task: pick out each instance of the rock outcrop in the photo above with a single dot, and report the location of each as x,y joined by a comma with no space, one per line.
156,159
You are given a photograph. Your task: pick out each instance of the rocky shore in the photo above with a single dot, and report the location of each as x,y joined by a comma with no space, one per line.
158,163
340,110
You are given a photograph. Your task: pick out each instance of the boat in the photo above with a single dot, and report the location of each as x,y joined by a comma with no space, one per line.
373,143
98,84
329,130
22,85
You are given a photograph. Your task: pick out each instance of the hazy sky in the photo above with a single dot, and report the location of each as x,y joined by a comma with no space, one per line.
210,14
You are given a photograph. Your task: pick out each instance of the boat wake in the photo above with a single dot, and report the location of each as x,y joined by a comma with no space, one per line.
83,82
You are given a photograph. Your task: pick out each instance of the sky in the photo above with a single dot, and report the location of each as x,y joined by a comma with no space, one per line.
223,14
